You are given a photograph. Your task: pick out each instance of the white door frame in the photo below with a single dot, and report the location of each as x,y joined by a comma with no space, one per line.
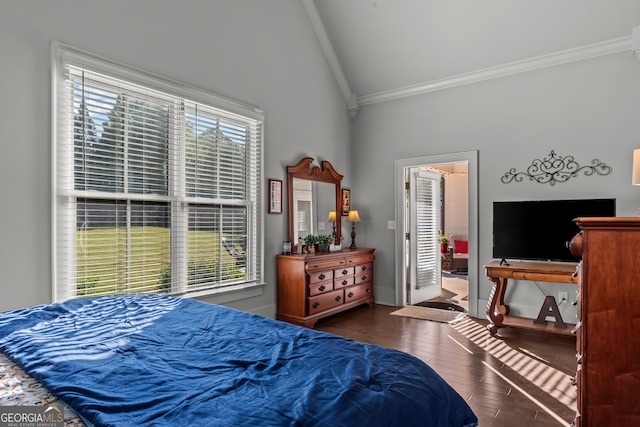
471,157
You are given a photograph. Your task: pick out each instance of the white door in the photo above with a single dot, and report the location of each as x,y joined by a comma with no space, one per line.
425,280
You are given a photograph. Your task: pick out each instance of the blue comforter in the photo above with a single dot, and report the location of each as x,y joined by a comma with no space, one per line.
159,361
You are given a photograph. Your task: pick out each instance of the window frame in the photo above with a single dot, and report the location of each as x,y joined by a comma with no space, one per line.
63,56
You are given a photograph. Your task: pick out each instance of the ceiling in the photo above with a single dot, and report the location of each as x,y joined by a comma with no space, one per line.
382,46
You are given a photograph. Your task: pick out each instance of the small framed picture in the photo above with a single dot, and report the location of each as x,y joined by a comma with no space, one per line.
346,201
275,196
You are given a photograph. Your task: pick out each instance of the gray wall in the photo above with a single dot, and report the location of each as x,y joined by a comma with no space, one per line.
588,109
261,53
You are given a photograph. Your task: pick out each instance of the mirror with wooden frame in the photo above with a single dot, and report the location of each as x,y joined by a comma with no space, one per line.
310,199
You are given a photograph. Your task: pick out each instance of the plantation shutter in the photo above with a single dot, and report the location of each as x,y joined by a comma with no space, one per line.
426,228
154,192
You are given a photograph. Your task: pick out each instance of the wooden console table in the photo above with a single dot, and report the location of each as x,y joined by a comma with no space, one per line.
498,311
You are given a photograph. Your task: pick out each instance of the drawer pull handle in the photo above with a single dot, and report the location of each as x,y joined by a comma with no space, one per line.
350,294
367,290
364,278
316,304
364,268
344,283
321,288
338,298
574,381
321,277
344,272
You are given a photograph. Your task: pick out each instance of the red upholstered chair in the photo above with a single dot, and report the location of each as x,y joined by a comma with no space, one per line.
459,253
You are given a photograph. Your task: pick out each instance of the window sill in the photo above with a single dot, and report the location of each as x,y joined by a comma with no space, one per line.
227,293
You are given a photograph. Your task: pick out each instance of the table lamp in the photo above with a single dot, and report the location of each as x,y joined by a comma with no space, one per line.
332,218
353,217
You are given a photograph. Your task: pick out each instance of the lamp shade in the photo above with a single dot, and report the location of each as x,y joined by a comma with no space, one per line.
353,216
332,216
635,179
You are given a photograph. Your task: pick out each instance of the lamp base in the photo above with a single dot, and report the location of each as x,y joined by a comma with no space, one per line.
353,237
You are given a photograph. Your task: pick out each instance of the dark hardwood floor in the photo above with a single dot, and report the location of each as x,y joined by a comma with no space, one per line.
516,378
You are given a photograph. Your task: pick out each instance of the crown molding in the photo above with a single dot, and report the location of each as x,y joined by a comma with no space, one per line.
558,58
354,103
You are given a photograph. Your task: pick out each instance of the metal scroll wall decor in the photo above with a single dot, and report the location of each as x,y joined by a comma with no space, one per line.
555,169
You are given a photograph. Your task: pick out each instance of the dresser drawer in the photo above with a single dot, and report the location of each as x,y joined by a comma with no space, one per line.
324,265
366,276
339,273
364,268
358,292
325,301
320,276
360,259
341,283
320,288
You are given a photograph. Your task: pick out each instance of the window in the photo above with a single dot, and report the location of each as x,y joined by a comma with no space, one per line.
156,185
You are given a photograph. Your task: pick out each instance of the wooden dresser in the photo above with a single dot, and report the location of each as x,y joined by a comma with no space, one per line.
608,345
313,286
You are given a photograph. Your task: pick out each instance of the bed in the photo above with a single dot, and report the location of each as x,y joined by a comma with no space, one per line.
149,360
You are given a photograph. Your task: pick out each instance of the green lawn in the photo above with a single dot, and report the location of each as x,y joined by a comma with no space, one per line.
103,261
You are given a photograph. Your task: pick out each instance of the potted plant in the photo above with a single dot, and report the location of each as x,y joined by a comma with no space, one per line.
311,242
444,243
324,240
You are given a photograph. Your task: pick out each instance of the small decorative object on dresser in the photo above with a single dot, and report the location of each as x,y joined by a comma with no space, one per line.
318,285
310,240
324,240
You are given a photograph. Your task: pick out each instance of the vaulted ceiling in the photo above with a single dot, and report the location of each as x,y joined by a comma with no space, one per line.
379,48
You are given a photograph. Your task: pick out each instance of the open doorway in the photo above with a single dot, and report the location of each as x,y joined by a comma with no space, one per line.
447,164
437,235
423,212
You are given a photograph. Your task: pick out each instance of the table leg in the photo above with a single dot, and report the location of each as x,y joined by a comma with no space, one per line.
497,309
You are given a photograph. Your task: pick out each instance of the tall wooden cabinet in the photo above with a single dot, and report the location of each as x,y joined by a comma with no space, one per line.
313,286
608,344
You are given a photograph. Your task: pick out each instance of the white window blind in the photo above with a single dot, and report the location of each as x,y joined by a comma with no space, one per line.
153,191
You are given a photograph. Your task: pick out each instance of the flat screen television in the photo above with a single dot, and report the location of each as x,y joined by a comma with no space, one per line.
541,229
